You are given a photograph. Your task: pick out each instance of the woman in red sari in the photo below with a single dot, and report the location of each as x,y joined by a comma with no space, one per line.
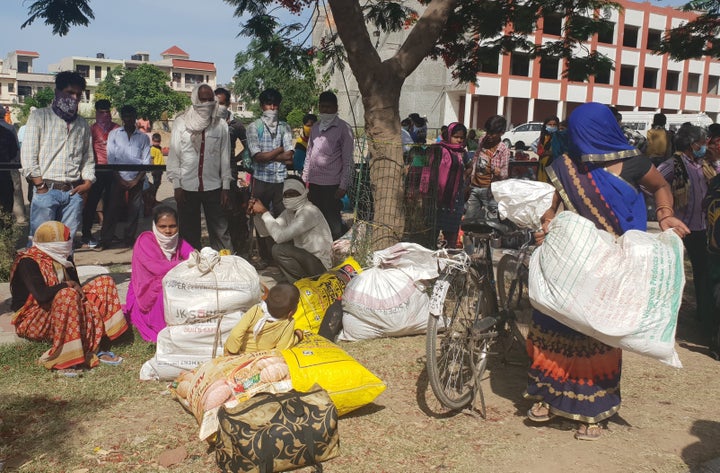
155,253
51,305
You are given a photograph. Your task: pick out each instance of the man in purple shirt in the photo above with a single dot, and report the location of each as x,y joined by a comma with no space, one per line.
329,163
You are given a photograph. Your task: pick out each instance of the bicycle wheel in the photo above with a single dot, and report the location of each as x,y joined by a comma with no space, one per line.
512,284
450,354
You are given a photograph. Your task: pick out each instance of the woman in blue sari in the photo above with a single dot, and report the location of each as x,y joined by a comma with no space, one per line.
573,375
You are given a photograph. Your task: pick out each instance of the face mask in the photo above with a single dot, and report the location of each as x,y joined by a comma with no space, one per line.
223,112
326,119
271,115
65,106
699,153
551,129
205,109
294,203
306,130
57,250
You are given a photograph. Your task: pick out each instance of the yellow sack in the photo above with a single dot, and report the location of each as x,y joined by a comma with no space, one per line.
317,293
318,360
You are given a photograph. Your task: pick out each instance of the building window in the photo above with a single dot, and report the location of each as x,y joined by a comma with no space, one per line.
87,95
602,77
24,90
653,39
630,36
693,84
650,78
552,24
176,77
193,79
83,70
23,66
607,32
491,65
520,64
549,67
672,80
11,87
98,72
627,76
712,87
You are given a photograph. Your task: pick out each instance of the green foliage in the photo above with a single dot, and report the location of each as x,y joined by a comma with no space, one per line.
42,98
696,38
60,14
146,88
10,233
272,64
294,118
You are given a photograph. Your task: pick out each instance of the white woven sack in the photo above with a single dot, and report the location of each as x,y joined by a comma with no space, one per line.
625,292
383,303
208,285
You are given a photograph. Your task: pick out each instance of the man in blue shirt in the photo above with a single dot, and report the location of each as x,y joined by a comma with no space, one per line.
126,145
271,148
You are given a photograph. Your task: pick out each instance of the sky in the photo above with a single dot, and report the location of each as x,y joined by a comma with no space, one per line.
205,29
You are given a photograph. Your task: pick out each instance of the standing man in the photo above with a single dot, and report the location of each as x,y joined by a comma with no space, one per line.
57,156
126,145
8,153
198,166
239,196
329,163
271,148
102,187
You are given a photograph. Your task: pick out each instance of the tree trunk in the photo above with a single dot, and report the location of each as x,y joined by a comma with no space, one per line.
382,127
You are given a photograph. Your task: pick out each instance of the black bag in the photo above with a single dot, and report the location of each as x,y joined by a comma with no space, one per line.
278,432
332,321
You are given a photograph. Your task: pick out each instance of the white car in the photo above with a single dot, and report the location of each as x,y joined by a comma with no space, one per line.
527,133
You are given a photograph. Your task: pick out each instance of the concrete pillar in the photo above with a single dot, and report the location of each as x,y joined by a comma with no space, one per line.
531,110
500,106
561,110
508,115
467,113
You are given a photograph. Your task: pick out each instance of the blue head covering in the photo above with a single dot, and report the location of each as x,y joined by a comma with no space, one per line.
595,135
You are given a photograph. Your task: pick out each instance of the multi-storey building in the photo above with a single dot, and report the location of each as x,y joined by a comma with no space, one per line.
18,79
525,89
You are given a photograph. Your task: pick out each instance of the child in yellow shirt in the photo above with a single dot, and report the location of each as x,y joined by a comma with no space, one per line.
267,325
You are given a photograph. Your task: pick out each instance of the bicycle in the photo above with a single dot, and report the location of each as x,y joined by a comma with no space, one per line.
470,312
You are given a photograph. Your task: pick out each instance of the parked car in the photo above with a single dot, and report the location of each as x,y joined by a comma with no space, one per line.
527,133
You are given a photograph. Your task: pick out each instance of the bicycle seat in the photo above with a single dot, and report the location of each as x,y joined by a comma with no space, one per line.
484,226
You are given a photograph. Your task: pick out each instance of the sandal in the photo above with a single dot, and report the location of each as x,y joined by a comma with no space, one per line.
539,413
588,432
110,358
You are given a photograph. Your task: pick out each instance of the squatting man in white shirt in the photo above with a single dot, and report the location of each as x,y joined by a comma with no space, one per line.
303,243
198,165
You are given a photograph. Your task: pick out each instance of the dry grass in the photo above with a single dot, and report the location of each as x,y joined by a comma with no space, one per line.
108,421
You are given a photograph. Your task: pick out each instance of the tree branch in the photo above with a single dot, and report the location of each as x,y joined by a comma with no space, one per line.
423,36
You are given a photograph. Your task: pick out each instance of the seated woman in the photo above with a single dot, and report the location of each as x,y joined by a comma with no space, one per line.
154,254
50,304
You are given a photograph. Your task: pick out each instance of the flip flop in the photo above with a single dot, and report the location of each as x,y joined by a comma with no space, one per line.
113,361
536,418
590,432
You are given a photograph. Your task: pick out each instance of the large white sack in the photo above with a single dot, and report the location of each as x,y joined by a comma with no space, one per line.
523,202
185,347
207,285
417,262
383,303
625,292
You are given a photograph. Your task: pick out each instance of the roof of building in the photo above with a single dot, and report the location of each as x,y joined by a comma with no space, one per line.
197,65
174,51
20,52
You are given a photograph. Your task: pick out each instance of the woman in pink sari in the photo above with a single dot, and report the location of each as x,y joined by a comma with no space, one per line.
155,253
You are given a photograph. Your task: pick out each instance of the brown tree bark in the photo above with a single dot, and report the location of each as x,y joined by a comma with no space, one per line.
380,83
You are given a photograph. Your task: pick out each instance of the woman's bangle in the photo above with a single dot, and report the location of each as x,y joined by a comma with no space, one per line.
661,207
665,218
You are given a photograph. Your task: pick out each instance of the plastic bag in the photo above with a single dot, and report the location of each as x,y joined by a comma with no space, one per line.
625,292
523,202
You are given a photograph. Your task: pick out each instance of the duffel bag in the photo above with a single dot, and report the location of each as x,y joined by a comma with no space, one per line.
278,432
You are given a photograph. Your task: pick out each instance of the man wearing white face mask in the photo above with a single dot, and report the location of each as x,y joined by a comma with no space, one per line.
329,163
271,147
303,242
198,165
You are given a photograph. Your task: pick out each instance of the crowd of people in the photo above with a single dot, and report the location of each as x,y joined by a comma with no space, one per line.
596,171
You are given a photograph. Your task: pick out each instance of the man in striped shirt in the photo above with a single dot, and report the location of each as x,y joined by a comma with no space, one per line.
57,156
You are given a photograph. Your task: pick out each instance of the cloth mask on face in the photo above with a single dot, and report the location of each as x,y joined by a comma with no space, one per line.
58,250
551,129
168,244
223,112
700,153
326,120
65,106
270,120
294,203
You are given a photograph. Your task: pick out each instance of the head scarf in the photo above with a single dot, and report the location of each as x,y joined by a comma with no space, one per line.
65,106
595,135
199,116
53,239
294,203
104,119
447,143
168,244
